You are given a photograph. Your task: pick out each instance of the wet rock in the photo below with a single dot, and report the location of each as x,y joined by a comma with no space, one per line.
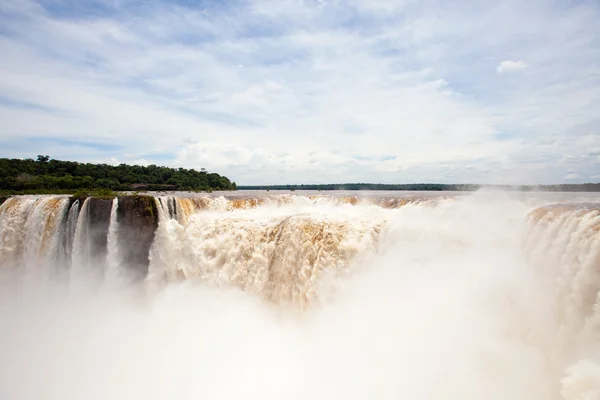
138,219
99,218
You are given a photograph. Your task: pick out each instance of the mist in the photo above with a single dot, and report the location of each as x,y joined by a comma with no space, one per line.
454,301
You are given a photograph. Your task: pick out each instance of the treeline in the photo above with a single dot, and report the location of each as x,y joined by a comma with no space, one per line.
47,174
584,187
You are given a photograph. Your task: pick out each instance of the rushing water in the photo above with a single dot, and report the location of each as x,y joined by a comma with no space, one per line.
113,256
306,295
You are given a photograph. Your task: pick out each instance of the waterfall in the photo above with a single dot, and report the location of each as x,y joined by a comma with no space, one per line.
279,257
81,250
184,209
302,296
163,252
14,214
71,228
43,230
164,205
280,246
564,241
113,255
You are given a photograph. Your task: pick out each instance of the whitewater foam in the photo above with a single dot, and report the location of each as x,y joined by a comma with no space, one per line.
482,296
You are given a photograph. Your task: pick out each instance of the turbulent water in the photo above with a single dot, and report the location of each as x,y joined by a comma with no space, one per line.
307,295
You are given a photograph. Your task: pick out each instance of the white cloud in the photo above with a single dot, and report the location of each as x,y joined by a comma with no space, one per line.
384,7
569,159
510,66
141,162
393,91
572,177
111,161
115,161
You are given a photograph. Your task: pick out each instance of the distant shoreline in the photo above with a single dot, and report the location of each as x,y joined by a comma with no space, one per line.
584,187
433,187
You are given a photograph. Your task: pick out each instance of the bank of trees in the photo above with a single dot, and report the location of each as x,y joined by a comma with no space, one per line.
47,174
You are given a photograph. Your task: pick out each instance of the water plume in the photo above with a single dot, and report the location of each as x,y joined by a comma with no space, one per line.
470,297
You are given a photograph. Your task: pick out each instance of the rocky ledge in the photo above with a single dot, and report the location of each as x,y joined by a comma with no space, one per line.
138,219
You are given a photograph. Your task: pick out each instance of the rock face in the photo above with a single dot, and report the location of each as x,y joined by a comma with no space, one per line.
3,199
138,220
99,219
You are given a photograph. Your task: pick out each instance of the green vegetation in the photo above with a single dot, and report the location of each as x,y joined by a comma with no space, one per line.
143,206
65,177
584,187
103,193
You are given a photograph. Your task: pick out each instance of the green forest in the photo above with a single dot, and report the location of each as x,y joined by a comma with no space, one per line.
47,175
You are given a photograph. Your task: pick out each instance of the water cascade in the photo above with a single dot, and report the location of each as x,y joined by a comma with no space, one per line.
71,229
113,255
309,295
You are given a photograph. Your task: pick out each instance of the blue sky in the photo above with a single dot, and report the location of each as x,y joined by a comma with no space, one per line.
308,91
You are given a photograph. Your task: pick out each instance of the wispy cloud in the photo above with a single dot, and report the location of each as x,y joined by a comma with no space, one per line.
292,91
510,66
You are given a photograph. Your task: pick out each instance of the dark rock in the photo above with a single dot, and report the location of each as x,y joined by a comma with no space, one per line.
3,199
99,218
138,220
73,199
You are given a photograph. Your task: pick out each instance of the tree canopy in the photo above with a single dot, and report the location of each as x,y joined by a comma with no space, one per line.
48,174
